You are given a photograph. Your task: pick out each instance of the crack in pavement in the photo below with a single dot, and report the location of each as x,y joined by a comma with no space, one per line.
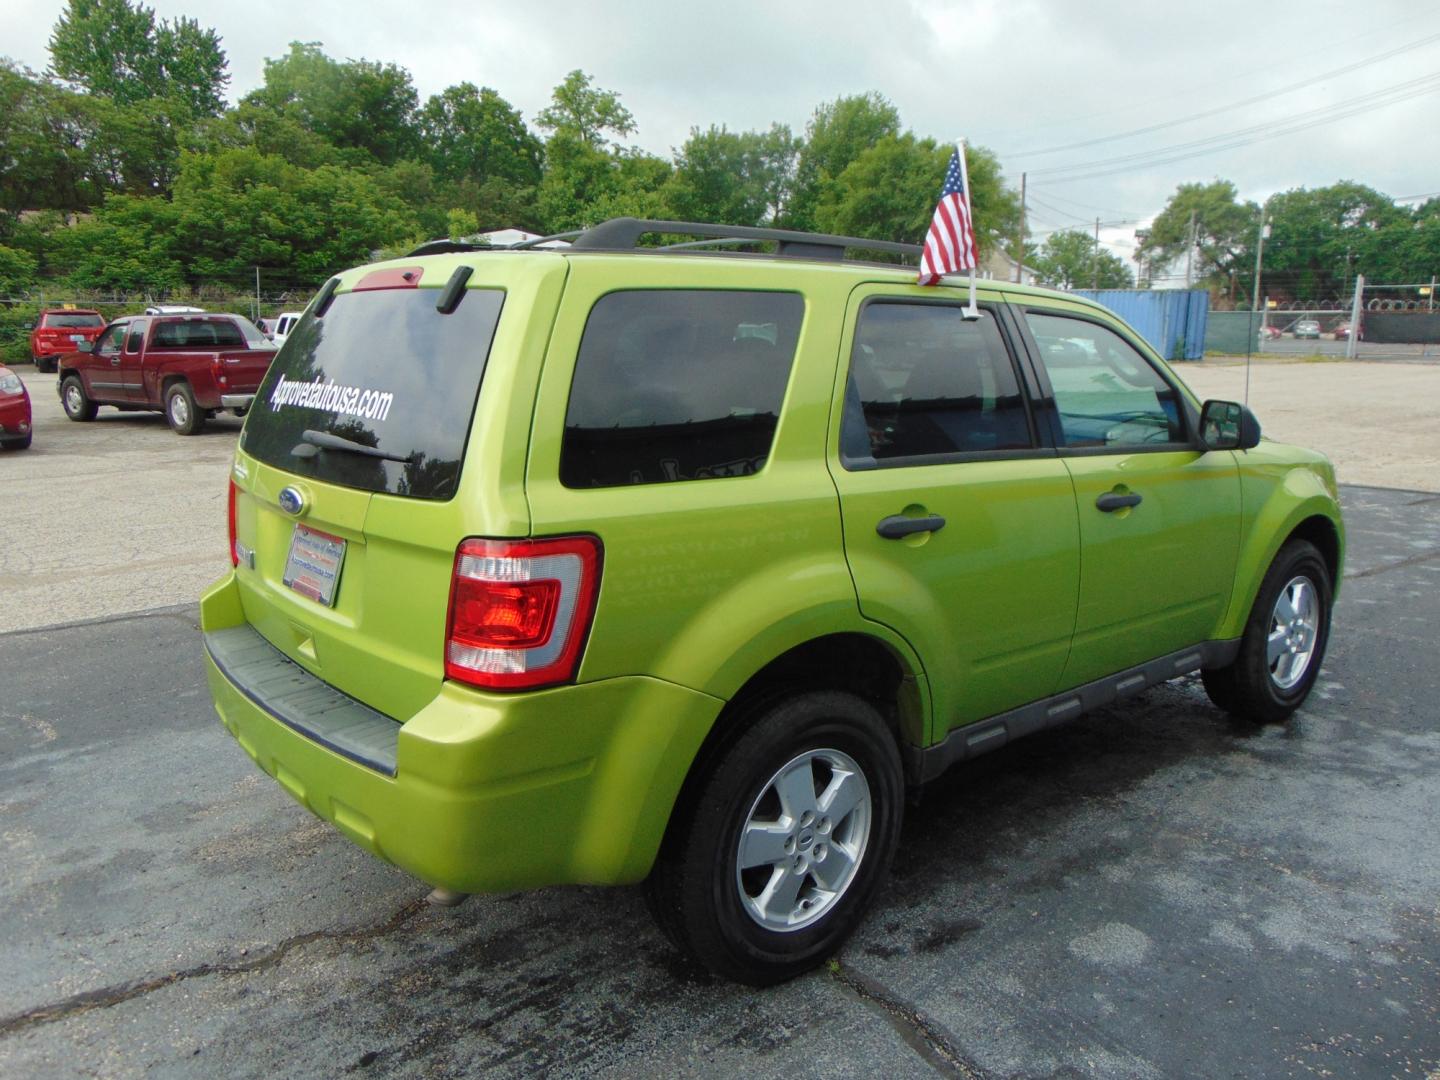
107,996
918,1031
1424,556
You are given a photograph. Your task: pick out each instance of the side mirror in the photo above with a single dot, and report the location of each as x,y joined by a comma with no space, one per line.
85,346
1228,425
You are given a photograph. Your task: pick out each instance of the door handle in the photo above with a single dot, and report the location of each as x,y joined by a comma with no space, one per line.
1112,501
895,527
115,361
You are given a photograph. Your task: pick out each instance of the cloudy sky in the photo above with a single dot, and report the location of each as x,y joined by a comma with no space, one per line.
1012,75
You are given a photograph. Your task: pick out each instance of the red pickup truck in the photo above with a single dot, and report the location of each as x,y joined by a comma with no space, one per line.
188,366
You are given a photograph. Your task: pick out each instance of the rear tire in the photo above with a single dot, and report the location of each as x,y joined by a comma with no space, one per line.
775,861
73,399
1284,640
45,364
181,412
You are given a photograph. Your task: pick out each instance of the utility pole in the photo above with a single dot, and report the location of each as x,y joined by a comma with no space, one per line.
1190,251
1020,240
1259,257
1350,345
257,296
1432,294
1095,260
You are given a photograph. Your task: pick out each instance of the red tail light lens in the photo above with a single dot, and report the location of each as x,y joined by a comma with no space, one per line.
520,611
234,555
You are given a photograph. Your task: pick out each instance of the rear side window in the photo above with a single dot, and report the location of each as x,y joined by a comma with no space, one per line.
379,393
677,385
137,336
1105,390
927,383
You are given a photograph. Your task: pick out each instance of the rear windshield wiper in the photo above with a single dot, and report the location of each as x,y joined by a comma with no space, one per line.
327,441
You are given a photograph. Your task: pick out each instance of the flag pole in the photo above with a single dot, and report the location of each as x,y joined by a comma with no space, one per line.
971,312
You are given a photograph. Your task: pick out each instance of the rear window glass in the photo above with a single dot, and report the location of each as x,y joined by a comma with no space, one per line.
678,385
197,334
378,394
72,321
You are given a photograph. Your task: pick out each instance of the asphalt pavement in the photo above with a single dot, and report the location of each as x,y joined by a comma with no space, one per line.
1155,891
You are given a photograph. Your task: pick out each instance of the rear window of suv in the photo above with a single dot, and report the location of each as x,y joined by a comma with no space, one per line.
71,322
377,394
678,385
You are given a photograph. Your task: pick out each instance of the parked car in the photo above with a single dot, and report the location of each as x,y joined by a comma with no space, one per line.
15,419
1308,328
60,330
285,325
1342,331
610,564
187,366
1269,333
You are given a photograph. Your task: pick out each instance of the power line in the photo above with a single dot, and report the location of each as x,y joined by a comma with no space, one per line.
1322,77
1291,125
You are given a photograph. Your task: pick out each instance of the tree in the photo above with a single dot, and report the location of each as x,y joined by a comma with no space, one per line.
889,193
360,106
735,178
119,51
1070,259
475,134
1224,228
1321,237
585,112
836,135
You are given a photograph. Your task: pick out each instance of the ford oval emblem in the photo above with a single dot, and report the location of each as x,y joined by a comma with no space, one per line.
291,501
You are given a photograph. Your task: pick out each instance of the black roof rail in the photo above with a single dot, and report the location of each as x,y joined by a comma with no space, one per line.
623,234
445,247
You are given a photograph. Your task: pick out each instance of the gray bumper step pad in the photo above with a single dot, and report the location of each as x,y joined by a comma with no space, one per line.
301,701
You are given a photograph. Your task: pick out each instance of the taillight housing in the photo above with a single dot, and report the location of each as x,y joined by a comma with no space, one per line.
520,611
230,521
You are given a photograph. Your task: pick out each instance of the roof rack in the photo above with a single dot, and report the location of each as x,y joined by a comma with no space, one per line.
623,234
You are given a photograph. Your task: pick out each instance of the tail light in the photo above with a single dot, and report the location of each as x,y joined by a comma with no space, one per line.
520,611
230,515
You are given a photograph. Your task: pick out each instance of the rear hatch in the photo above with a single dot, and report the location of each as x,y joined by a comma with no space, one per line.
63,333
347,516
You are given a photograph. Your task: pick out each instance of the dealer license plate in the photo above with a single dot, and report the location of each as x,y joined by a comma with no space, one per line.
313,566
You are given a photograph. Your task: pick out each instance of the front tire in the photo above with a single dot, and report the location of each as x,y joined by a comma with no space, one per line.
1283,643
73,399
181,412
777,858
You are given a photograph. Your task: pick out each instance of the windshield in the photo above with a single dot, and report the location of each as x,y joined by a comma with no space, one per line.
385,370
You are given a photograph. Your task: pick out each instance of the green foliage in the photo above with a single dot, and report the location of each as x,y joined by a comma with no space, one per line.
837,134
118,51
361,106
1318,235
460,224
1224,228
581,111
17,270
737,179
16,321
889,191
476,135
1071,259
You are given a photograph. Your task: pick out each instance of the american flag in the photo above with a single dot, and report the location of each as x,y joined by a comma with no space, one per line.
950,246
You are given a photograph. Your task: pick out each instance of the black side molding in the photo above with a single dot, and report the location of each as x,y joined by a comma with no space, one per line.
925,763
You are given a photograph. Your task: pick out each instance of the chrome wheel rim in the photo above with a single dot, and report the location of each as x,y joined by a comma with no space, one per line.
73,401
1294,632
179,411
803,840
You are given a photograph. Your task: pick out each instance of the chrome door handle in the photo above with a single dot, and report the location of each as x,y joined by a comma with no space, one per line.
896,526
1112,501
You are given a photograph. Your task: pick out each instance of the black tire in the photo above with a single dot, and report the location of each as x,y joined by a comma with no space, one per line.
184,417
712,911
1252,686
73,399
43,363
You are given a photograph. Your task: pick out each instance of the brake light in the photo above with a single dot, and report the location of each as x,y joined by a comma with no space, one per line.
234,555
520,611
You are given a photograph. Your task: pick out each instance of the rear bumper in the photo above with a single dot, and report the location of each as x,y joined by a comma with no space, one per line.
236,401
489,792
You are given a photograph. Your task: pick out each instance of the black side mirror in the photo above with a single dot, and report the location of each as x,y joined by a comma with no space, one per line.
1228,425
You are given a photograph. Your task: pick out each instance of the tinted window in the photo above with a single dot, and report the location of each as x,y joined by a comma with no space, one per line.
72,321
678,385
925,381
1107,393
137,336
197,334
385,370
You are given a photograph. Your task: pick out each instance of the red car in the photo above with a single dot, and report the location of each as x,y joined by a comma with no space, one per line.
14,411
187,366
59,331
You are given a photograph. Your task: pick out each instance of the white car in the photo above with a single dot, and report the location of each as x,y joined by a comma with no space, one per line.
284,325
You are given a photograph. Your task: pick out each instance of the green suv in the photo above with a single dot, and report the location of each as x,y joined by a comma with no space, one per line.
609,563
